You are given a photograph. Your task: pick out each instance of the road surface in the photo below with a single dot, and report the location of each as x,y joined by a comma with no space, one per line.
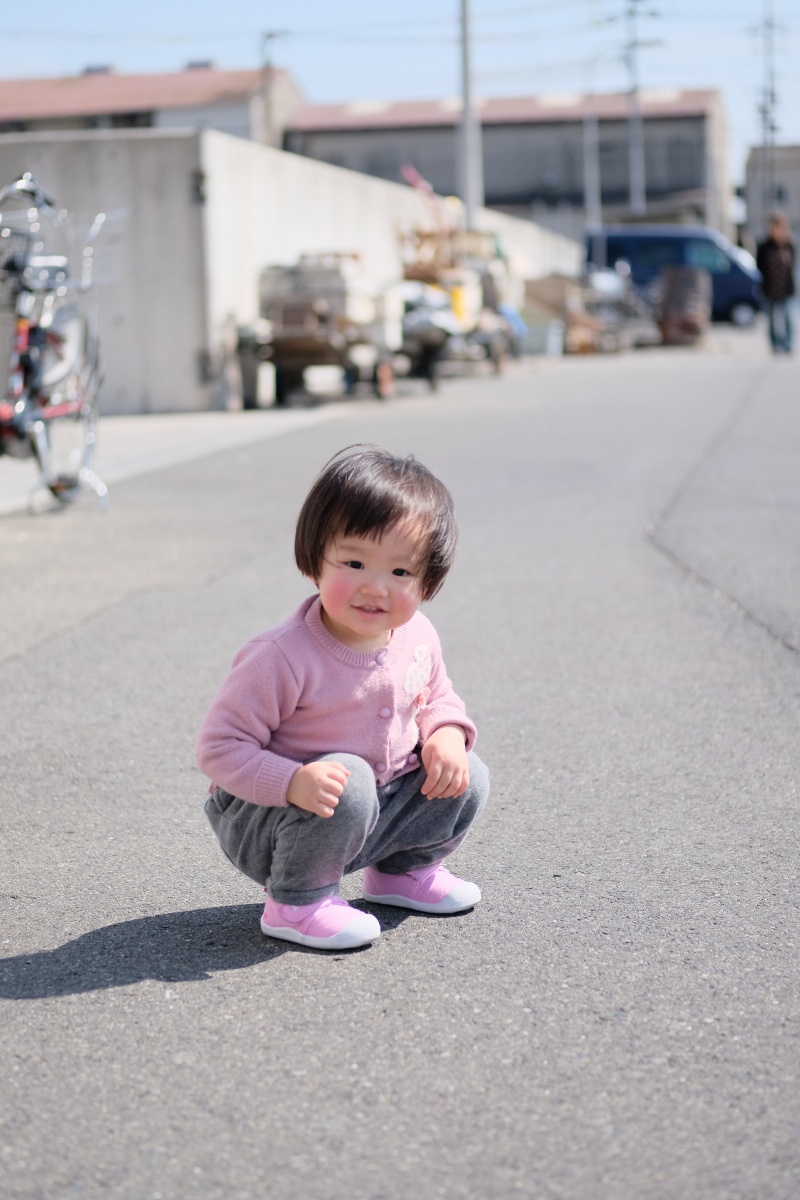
619,1018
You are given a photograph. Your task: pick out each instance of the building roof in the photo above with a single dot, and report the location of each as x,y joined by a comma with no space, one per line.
781,150
104,92
546,107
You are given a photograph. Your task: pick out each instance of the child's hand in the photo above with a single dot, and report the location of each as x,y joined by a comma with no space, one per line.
444,757
317,786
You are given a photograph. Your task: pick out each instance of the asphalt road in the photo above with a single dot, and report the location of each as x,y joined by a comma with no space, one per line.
618,1020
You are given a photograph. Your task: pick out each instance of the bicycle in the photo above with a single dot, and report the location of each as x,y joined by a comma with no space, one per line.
48,410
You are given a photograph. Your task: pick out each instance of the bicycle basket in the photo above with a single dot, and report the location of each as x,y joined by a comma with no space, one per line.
15,247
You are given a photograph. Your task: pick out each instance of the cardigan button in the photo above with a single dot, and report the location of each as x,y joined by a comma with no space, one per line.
385,712
381,658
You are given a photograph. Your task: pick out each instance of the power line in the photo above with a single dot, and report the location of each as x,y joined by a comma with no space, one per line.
406,31
72,35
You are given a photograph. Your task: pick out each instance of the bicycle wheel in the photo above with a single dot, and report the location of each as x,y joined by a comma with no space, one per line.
69,439
65,431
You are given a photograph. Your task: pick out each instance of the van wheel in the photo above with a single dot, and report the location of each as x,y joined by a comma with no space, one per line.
742,315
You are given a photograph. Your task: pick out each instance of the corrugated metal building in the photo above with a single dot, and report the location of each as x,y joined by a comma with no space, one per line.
533,151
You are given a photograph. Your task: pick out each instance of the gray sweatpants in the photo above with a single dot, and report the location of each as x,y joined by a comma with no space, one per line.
301,857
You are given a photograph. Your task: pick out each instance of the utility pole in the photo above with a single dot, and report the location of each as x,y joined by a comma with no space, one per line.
470,149
592,187
267,39
767,110
637,180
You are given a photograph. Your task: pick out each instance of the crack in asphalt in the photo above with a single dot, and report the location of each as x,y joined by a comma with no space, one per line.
655,531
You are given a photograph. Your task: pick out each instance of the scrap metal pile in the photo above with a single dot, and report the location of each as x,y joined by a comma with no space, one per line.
604,312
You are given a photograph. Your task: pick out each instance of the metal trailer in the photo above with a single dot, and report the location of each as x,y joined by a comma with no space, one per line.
320,312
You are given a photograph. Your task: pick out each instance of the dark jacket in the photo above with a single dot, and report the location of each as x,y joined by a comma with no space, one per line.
775,261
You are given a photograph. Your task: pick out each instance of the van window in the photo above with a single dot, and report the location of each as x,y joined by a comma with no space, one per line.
700,253
654,253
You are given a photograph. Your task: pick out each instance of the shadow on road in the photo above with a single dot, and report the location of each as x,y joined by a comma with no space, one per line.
175,947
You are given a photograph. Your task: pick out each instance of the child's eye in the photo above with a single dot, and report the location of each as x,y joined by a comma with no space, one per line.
401,571
355,564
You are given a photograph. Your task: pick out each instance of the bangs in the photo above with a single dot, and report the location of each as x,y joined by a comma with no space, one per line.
365,491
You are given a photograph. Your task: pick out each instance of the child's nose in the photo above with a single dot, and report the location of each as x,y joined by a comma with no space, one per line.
375,585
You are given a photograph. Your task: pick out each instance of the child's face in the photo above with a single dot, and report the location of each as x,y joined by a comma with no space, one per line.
369,587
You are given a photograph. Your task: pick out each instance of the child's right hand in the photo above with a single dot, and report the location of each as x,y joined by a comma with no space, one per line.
317,786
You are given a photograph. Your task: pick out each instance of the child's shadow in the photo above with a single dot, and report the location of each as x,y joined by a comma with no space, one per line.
173,947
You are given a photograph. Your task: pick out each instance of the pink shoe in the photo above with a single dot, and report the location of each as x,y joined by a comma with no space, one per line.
426,889
329,924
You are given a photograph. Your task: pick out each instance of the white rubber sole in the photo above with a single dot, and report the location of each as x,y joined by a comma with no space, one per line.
346,939
447,906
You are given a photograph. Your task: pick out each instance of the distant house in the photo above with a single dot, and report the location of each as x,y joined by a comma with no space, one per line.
248,104
772,182
533,151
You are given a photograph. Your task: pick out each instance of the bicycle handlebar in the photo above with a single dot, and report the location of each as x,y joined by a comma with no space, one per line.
31,187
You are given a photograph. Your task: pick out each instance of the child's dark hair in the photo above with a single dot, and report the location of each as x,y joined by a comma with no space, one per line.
364,491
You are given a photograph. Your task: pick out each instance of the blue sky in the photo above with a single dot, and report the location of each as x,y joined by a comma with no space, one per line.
342,50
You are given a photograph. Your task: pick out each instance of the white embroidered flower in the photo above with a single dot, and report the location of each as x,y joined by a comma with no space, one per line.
418,675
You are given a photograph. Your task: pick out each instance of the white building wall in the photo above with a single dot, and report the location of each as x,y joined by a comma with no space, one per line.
533,250
265,206
234,118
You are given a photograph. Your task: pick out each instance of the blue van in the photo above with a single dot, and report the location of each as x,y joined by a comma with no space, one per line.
647,248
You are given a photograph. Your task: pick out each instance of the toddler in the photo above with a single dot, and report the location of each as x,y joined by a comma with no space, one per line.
337,742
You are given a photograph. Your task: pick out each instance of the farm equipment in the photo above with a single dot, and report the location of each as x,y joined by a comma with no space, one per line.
320,312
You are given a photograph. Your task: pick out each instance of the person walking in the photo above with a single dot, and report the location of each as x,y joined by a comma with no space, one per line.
775,259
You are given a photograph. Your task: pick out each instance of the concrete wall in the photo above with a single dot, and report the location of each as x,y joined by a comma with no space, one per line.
265,206
152,315
205,212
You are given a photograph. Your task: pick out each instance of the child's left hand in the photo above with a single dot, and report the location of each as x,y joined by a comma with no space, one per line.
444,757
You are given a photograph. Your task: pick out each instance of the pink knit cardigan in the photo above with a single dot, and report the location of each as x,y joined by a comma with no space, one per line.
295,692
